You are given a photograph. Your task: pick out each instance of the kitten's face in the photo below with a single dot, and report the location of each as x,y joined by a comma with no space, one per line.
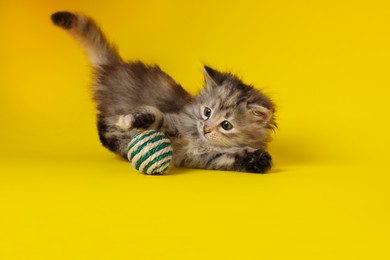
232,114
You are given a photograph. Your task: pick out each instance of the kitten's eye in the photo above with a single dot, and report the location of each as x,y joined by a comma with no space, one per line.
207,112
226,125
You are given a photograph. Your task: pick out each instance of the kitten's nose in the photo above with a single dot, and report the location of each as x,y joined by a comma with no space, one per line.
207,129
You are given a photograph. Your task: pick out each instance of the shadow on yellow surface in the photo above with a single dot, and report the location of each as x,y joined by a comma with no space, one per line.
63,196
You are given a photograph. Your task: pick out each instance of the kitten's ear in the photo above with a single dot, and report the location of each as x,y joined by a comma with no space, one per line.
262,112
212,77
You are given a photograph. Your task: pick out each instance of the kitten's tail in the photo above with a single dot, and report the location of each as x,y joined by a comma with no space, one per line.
88,34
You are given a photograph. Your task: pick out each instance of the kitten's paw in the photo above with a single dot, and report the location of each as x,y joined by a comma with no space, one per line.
143,120
144,117
258,161
125,122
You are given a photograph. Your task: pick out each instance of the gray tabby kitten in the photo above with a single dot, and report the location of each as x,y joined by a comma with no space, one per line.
225,127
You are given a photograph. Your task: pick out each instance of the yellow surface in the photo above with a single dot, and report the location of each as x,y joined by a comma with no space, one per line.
325,63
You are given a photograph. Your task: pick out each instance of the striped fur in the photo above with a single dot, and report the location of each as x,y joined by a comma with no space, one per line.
226,126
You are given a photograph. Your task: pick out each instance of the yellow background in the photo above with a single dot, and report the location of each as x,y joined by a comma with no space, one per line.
325,63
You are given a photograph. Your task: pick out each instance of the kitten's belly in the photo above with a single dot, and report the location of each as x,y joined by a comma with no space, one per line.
190,154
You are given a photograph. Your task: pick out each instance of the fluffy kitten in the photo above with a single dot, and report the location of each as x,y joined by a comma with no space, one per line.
225,127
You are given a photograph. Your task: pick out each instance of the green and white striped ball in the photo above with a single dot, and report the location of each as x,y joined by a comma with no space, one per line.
150,152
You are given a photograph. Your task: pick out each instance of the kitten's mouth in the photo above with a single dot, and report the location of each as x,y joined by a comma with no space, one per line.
202,134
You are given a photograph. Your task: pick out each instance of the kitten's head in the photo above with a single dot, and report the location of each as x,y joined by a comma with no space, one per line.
230,113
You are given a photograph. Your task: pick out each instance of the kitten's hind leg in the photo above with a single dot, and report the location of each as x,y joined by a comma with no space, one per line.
112,136
125,122
144,117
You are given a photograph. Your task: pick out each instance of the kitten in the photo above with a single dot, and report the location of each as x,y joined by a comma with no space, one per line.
225,127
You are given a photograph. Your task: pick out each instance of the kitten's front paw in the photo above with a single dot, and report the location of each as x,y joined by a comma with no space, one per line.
258,161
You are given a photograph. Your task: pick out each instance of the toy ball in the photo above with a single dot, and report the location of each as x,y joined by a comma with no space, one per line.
150,152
